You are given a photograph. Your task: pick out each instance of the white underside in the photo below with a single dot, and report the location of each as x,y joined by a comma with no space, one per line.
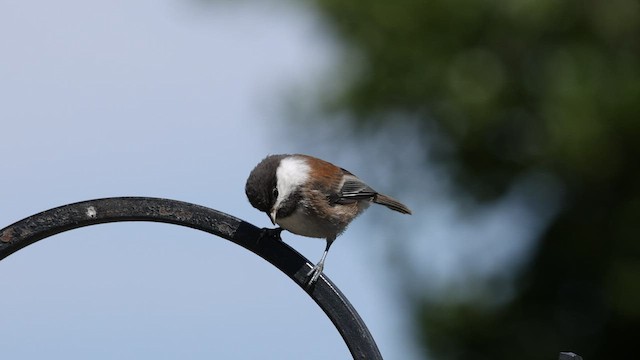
302,224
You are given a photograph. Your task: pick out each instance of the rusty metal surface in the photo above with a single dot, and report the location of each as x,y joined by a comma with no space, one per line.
72,216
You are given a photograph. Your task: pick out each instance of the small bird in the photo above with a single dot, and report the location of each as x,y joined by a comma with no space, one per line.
311,197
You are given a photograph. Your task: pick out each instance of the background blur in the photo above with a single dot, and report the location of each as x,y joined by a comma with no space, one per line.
508,127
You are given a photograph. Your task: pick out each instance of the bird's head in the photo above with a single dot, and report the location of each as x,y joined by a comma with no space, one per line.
273,185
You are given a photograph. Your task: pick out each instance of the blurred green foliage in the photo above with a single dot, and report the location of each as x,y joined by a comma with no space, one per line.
510,87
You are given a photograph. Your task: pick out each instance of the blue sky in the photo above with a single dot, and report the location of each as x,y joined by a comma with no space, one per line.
180,99
171,99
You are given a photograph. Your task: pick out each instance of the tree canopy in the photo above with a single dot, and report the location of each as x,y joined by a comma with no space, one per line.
512,87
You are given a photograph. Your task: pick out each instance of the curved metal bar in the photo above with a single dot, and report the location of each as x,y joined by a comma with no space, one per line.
72,216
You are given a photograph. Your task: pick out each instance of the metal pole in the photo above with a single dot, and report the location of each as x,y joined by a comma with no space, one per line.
72,216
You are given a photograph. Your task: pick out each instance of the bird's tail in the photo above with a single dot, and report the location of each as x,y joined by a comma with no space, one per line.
391,203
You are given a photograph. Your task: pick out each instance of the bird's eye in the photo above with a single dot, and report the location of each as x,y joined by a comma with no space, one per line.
275,193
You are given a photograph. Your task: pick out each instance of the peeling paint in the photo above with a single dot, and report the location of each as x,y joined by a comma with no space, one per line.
91,212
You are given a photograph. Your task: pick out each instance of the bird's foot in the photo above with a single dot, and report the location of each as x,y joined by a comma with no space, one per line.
270,233
314,274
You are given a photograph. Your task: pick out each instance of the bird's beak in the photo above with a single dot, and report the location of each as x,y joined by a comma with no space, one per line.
272,216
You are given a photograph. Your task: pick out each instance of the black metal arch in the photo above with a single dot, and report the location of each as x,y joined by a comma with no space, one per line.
72,216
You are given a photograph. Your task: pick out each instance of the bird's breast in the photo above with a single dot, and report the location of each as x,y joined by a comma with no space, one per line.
301,223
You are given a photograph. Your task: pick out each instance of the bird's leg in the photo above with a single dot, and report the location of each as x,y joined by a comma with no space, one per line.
317,269
270,233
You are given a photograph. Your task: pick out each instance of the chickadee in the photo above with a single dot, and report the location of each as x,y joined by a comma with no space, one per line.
311,197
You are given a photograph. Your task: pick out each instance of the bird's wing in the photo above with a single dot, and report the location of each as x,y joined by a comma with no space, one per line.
353,189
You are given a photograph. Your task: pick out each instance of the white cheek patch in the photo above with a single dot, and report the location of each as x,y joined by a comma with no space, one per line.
291,173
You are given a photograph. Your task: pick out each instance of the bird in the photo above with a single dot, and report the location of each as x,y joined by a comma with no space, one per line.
311,197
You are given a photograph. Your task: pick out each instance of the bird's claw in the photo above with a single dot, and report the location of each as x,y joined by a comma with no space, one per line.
314,274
